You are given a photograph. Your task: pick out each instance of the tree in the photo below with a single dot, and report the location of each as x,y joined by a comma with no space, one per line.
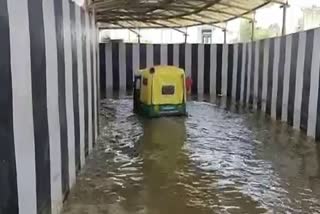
259,32
104,37
245,30
274,30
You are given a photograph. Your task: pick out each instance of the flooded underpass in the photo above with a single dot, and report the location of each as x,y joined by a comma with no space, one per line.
217,160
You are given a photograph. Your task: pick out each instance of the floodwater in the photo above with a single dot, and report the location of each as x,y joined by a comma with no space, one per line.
218,160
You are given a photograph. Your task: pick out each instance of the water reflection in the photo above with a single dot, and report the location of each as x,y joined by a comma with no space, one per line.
221,159
162,141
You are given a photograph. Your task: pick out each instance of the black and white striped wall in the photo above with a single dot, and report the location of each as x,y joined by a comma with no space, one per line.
118,62
279,76
48,101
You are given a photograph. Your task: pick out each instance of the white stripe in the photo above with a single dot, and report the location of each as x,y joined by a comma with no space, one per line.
299,80
135,58
256,75
122,67
314,85
80,85
164,54
235,71
213,70
188,60
176,55
265,75
275,77
22,105
249,72
96,75
109,66
53,106
286,78
224,72
149,55
89,38
243,71
200,68
69,91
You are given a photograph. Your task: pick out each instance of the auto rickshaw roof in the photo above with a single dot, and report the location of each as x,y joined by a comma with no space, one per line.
160,69
113,14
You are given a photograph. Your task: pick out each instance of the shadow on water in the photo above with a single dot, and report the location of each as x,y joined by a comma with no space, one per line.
221,159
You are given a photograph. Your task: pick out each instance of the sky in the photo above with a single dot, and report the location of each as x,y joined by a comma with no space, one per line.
273,14
303,3
80,2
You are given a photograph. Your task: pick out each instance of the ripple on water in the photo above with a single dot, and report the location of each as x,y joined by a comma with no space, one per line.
214,161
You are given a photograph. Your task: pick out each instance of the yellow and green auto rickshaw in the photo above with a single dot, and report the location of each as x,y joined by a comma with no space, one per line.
160,91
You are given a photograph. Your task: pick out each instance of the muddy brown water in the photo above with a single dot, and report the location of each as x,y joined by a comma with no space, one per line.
218,160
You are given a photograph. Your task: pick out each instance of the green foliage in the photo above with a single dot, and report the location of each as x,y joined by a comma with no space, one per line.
245,30
259,32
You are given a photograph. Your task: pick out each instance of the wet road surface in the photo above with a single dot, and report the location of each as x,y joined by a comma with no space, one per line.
218,160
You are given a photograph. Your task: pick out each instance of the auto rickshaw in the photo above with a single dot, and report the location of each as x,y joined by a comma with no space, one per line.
160,91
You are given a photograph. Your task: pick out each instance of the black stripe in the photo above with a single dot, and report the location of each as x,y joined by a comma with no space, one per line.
251,90
318,112
129,68
270,77
239,71
182,58
143,56
219,69
260,74
194,68
156,54
115,65
230,70
246,76
39,101
292,79
306,81
75,85
8,176
280,77
206,74
85,80
102,55
62,97
170,54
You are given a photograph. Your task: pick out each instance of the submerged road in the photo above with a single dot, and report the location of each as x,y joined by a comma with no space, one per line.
218,160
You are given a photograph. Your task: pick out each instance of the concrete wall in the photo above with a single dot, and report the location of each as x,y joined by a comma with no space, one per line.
48,101
279,76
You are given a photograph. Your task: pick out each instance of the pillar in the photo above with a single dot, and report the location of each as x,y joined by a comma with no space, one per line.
253,21
224,35
284,17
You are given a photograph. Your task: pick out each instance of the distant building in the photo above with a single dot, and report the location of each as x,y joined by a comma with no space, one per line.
311,18
205,34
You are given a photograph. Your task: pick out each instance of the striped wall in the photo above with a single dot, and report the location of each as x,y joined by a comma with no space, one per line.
48,101
279,76
118,61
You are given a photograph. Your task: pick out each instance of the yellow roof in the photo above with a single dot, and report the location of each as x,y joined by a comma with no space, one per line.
161,69
171,13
